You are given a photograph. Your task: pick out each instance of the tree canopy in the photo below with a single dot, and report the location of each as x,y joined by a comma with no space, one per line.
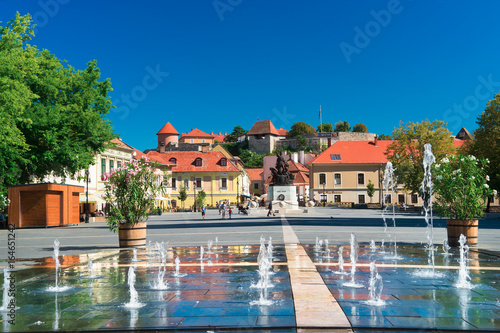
52,116
300,128
407,151
237,132
325,128
360,128
342,126
486,141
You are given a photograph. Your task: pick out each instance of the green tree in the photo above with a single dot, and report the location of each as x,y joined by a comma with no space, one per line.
360,128
300,128
407,151
325,128
486,141
370,190
53,116
384,137
182,195
342,126
237,132
200,198
301,140
251,159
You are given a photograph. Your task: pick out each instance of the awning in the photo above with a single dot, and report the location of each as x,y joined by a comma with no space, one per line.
93,198
163,199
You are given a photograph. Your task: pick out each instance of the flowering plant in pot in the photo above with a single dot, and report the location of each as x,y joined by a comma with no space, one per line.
460,184
130,193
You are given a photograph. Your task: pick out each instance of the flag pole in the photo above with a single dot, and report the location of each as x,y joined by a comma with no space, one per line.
320,121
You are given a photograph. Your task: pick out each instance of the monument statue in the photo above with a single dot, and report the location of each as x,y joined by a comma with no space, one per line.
281,175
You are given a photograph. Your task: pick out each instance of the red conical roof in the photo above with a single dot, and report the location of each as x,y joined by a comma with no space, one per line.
167,129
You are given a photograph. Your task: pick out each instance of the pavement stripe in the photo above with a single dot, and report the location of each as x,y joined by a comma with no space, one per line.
315,306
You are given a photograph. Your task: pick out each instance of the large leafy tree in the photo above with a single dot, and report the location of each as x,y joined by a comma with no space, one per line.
342,126
486,142
237,132
407,151
52,116
300,128
360,128
325,128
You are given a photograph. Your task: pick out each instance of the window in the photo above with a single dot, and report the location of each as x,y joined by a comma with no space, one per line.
361,198
173,160
223,162
324,198
186,183
322,179
197,162
338,179
111,165
103,166
119,164
174,183
335,157
401,198
255,186
192,141
337,198
223,182
202,140
388,199
414,199
198,182
361,179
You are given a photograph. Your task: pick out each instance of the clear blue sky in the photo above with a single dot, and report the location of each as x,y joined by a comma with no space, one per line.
231,62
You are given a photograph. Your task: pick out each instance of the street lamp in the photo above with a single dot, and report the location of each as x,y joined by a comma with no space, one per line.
324,194
87,196
237,192
194,189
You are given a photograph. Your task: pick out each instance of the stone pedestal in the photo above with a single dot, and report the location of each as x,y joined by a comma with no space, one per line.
283,197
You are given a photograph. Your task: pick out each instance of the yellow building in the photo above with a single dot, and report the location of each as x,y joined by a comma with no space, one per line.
196,136
342,172
210,171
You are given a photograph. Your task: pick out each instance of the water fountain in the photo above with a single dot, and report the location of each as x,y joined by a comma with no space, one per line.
160,283
375,286
202,252
265,267
327,249
55,256
463,281
388,185
341,270
446,248
354,258
373,247
177,267
134,297
134,258
6,297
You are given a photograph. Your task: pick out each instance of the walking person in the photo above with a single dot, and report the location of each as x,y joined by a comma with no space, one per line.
223,209
270,209
203,210
230,212
220,207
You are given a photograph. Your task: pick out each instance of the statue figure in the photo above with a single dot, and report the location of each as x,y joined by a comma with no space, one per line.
281,175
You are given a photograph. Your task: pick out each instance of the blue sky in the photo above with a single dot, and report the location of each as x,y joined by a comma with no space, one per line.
213,65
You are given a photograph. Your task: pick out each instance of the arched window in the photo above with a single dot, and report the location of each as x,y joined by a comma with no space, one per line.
197,162
173,160
223,162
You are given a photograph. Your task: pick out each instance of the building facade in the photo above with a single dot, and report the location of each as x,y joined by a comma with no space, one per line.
262,137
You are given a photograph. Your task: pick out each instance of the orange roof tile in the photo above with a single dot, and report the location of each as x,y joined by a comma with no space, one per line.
358,152
196,133
255,173
185,161
296,166
263,127
219,137
119,143
282,132
168,129
354,152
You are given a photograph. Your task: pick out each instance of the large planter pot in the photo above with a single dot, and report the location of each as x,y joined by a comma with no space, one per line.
468,228
132,235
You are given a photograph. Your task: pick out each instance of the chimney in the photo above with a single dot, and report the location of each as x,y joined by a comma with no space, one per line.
225,133
376,140
212,133
281,128
295,157
220,133
204,149
301,158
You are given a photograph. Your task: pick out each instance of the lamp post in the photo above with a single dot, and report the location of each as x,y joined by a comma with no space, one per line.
237,192
194,189
324,194
87,196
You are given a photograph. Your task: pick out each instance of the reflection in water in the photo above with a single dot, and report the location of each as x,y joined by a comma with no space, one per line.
464,297
55,324
134,315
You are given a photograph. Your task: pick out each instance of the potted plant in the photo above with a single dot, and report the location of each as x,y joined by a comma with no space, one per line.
460,184
130,192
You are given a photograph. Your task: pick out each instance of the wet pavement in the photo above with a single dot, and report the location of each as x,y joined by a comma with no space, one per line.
219,292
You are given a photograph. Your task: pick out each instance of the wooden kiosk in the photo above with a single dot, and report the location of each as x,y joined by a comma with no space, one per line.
43,205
